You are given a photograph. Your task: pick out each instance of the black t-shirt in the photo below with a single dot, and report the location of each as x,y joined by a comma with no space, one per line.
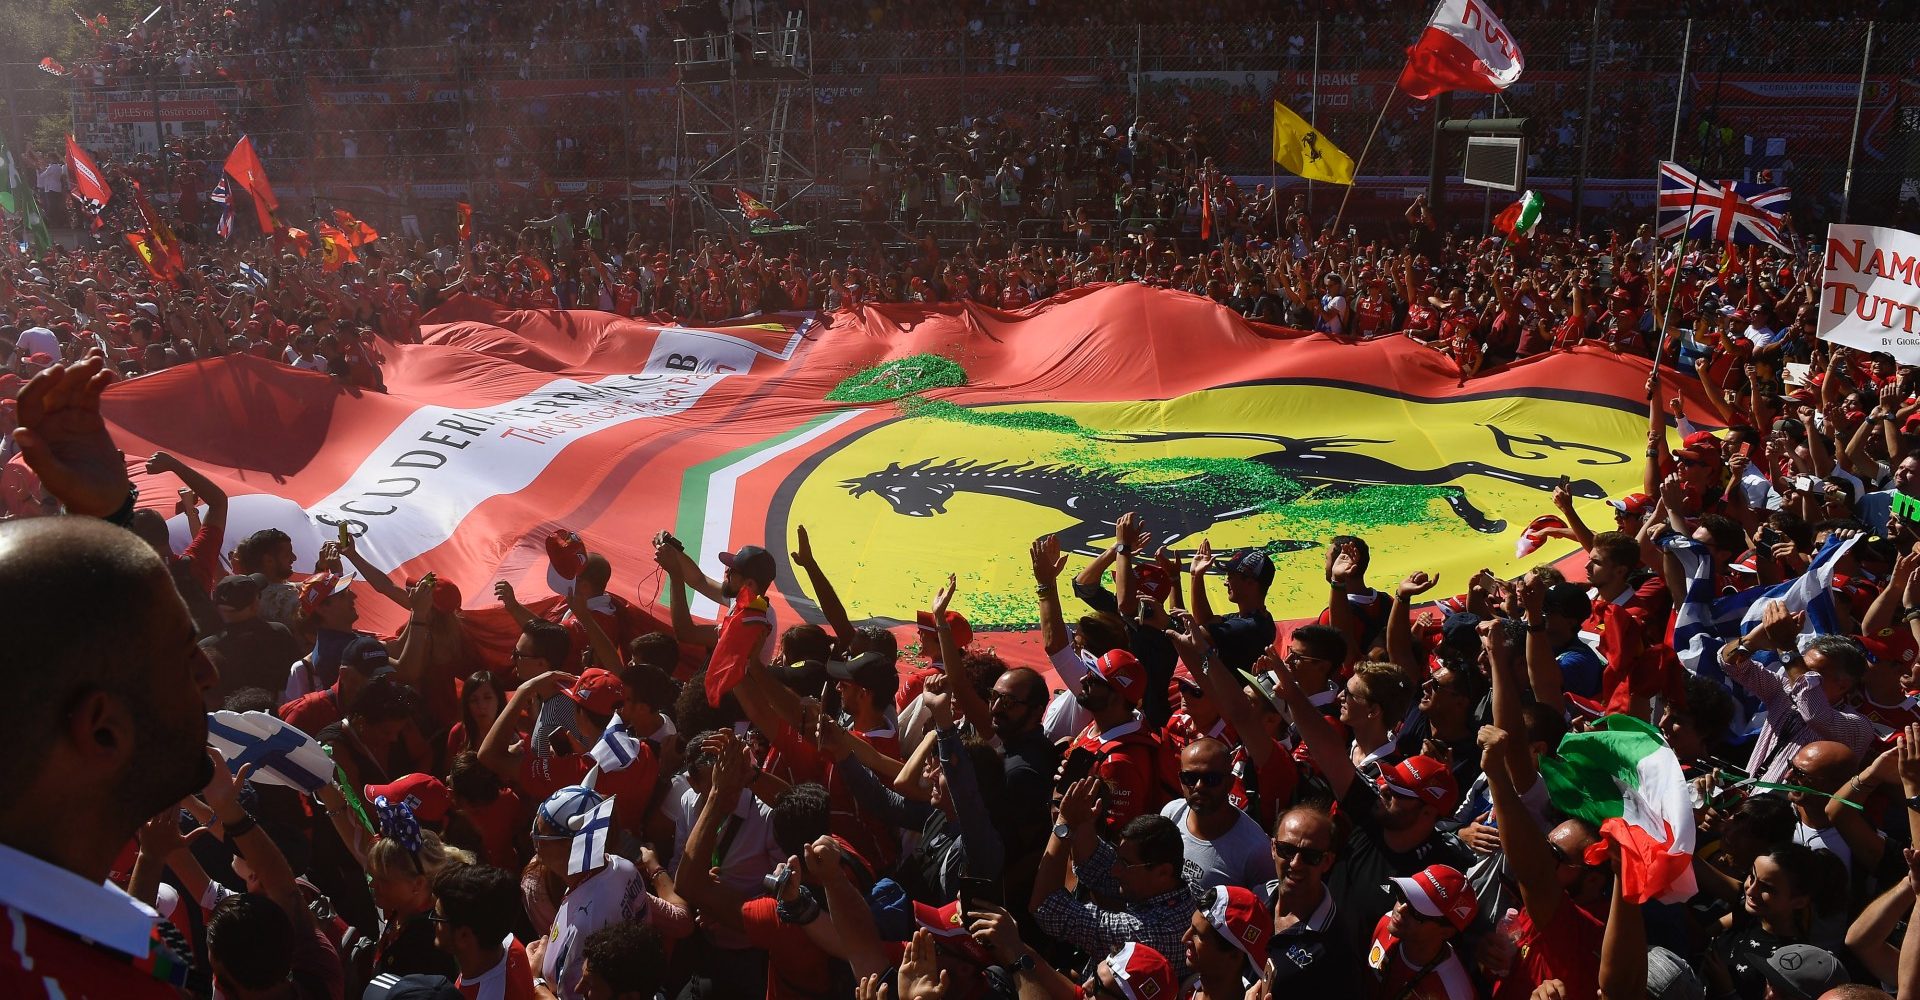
1148,645
1745,948
253,653
1241,638
1366,863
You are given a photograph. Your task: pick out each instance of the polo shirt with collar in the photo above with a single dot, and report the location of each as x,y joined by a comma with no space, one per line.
1314,957
78,940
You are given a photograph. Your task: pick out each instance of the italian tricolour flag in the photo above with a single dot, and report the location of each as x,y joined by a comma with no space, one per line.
1623,778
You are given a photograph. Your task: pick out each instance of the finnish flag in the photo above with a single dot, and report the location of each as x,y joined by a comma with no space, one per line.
280,753
590,832
617,747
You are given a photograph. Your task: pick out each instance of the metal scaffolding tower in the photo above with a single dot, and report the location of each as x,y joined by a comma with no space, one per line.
740,79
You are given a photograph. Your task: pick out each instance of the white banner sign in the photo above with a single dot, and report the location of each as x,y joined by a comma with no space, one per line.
1870,292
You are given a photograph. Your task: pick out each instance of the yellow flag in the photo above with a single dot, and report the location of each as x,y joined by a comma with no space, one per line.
1301,149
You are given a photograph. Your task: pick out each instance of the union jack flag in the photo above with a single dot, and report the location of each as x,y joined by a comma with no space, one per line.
220,196
1726,211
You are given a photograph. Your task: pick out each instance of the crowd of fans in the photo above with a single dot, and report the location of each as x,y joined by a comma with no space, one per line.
1181,800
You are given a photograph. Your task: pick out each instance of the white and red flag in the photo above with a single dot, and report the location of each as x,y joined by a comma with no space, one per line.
89,184
1465,47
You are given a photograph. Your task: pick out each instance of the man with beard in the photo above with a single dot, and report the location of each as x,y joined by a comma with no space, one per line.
105,723
750,563
1392,815
1126,753
1018,704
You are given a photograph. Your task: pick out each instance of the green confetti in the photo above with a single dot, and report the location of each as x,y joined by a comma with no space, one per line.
900,377
1014,420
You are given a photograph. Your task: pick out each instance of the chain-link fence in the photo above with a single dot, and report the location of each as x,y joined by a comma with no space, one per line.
433,122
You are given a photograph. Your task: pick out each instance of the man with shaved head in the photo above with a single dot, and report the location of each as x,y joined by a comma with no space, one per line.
1565,890
1823,765
104,723
1227,844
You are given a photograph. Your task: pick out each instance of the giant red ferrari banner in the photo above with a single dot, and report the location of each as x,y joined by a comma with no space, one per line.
912,441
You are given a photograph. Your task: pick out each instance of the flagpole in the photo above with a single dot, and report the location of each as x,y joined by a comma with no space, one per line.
1382,116
1679,98
1313,109
1686,229
1859,105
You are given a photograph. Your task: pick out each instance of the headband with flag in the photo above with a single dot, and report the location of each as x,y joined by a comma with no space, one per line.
617,747
590,832
399,824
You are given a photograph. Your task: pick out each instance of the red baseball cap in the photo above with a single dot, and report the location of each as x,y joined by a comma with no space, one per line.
1153,582
956,623
1242,919
599,691
317,589
1633,504
1443,893
1141,972
446,595
431,803
1421,777
1701,447
1123,673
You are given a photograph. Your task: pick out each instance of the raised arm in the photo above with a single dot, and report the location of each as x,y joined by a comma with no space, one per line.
262,854
204,488
1197,585
499,752
1529,856
1623,947
674,563
953,666
1324,745
1400,645
694,879
418,638
823,592
1047,564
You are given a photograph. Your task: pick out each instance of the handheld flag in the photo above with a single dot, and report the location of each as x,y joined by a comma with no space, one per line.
243,165
89,185
1519,218
1723,211
1622,777
1301,149
755,210
223,196
590,838
617,747
50,65
1536,535
280,753
17,198
739,639
357,233
464,212
299,239
335,248
1465,47
166,246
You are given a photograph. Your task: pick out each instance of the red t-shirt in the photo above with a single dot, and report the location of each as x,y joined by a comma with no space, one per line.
1274,784
542,776
796,970
1129,765
512,979
1389,976
315,710
1567,949
497,822
204,550
44,962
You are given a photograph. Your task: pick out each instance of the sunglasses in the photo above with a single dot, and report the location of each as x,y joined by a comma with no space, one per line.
1400,899
437,918
1210,779
1560,857
1308,856
1691,462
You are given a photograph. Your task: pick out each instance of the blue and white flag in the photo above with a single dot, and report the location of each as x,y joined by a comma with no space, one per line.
1811,592
221,196
617,747
590,832
1696,640
280,753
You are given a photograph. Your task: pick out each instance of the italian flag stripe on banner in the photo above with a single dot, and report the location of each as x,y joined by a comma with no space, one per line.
1622,777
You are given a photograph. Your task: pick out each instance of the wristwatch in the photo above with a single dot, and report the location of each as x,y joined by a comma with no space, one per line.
1024,963
1913,803
1063,831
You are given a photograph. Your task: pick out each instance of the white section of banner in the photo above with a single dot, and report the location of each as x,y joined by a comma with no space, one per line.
1870,291
1476,26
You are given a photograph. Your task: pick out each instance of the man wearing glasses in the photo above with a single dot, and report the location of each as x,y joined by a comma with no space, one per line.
1311,951
1228,846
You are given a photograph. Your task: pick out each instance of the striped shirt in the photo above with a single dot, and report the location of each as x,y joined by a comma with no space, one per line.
1797,713
1160,922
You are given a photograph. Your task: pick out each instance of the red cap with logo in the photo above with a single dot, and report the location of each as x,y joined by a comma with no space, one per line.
1443,893
1141,972
431,799
1153,582
1123,673
598,691
1242,919
1421,777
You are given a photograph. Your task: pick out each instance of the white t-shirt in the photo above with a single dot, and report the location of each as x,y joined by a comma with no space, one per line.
37,340
1241,857
1828,840
615,893
751,854
1065,718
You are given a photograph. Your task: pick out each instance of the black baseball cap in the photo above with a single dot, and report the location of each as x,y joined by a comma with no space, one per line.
236,592
872,670
367,656
1254,563
752,562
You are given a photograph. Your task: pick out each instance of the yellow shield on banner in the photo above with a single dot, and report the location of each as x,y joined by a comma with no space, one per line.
1443,486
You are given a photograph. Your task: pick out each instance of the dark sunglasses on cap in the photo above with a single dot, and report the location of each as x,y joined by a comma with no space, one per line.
1211,779
1293,852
